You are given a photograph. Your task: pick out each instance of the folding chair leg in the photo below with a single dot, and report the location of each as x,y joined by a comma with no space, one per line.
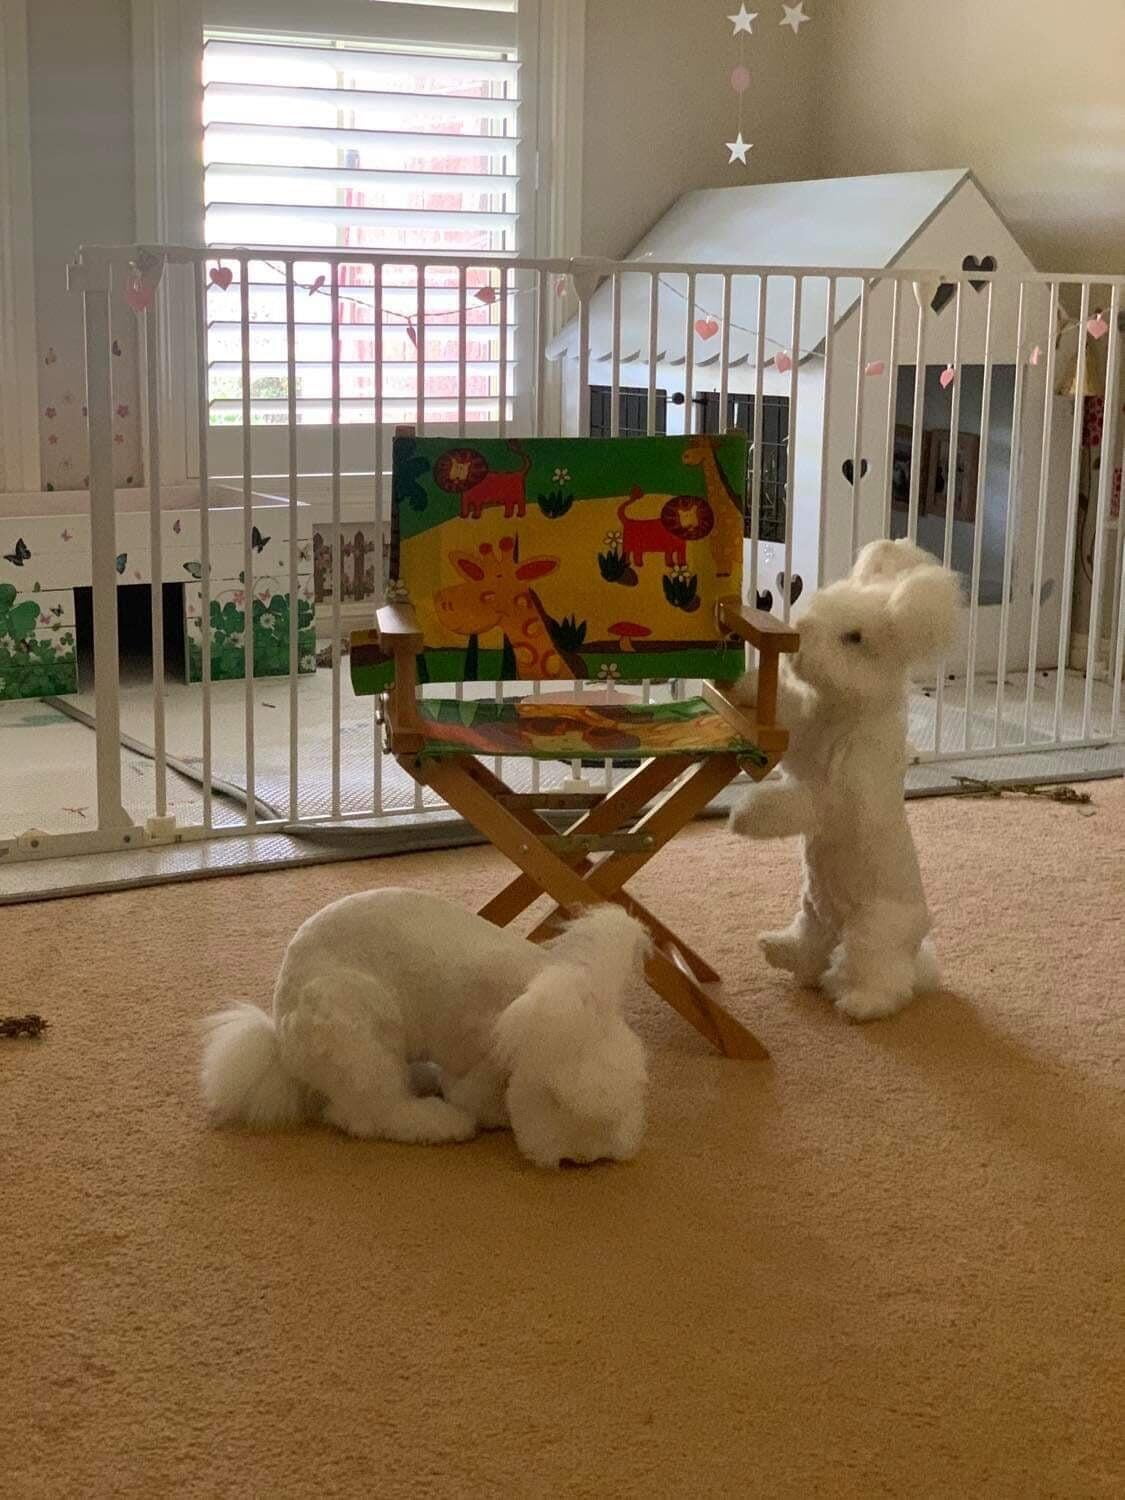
553,877
704,1013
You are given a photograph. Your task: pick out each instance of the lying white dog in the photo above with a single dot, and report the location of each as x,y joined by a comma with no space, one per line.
863,928
386,980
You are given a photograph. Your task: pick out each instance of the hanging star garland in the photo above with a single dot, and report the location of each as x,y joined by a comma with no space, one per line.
743,24
795,17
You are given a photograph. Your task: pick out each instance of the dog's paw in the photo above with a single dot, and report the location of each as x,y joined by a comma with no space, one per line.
780,950
868,1004
745,815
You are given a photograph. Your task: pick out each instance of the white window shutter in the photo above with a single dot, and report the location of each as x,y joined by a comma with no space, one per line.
324,141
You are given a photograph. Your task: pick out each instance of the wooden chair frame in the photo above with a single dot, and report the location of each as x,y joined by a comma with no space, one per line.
628,825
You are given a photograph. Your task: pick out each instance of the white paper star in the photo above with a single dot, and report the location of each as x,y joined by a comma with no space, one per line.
795,16
738,149
744,21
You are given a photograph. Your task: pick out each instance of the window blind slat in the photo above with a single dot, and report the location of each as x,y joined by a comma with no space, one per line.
422,143
369,63
405,106
424,220
390,21
377,180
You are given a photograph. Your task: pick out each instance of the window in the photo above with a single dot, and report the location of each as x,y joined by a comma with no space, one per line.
632,409
325,142
775,453
432,125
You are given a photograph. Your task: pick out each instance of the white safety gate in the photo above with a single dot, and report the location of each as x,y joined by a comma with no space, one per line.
258,401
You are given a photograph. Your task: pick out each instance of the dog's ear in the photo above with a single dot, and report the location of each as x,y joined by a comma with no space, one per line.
923,607
609,942
566,1035
542,1022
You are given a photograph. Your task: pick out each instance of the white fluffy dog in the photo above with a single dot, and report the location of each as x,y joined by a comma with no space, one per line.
380,983
863,928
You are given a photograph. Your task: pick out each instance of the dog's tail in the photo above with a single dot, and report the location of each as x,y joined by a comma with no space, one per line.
244,1082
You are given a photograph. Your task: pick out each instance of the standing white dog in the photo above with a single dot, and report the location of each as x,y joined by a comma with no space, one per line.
385,980
863,928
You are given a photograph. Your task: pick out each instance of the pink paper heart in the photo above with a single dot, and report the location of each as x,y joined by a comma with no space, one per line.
137,295
947,377
486,294
1097,326
706,328
782,362
221,276
740,79
1035,356
875,367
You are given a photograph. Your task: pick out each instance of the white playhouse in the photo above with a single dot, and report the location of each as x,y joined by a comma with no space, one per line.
840,403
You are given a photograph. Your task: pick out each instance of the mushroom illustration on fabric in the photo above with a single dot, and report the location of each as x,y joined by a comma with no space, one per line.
628,631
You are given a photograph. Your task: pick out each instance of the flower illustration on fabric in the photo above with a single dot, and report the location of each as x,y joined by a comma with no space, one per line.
123,410
680,570
561,476
613,540
53,439
118,437
609,672
50,413
397,592
239,597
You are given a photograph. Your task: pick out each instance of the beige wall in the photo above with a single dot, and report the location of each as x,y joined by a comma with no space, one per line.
1028,93
659,106
81,82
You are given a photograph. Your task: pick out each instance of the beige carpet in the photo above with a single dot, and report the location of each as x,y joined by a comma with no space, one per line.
889,1262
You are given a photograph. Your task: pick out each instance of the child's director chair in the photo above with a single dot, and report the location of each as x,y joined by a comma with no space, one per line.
577,563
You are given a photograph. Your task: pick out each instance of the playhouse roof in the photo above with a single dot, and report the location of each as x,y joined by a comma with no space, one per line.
839,221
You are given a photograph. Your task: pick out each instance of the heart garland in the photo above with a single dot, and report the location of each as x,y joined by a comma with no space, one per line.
848,470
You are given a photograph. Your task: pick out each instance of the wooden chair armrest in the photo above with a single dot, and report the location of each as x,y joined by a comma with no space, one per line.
401,635
756,627
398,628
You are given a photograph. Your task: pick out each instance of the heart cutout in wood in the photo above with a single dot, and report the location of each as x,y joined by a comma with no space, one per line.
706,328
943,296
847,468
970,263
796,586
765,600
221,276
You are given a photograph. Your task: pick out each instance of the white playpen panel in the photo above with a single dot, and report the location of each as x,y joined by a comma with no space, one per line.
841,380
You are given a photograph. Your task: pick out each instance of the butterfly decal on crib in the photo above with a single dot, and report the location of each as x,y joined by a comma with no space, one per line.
258,541
21,555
